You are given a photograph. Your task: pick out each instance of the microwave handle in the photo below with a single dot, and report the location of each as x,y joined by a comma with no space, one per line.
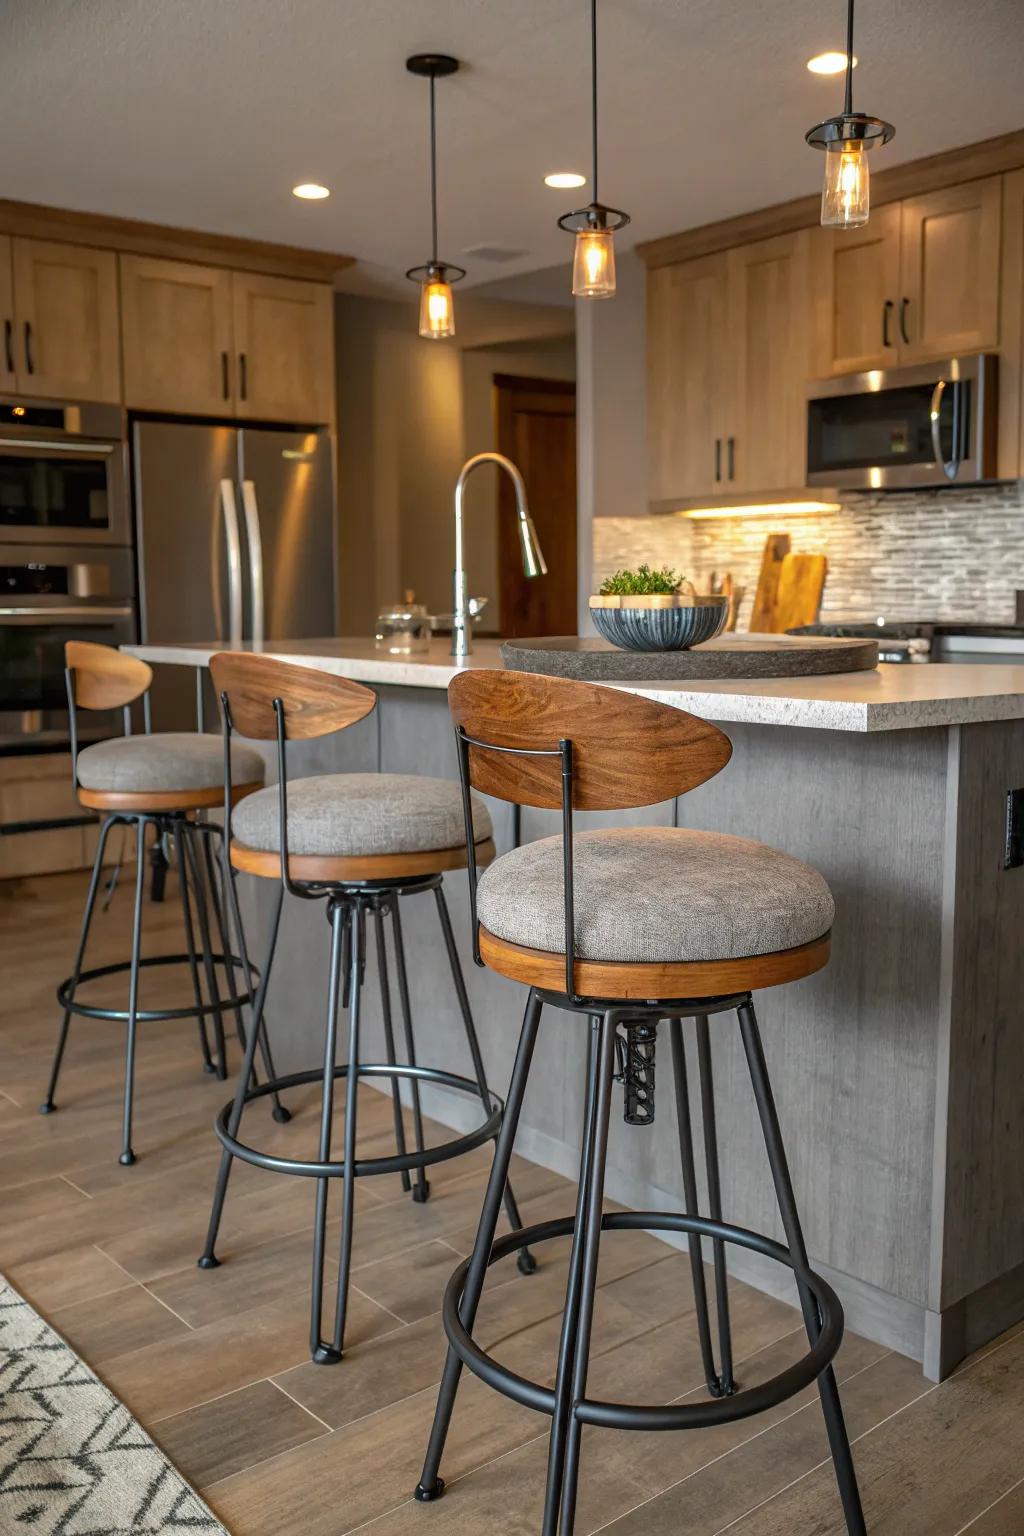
255,542
234,548
950,467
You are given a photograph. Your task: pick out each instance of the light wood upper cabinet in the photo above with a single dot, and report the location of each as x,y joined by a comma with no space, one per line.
8,378
855,275
949,271
177,336
768,357
686,322
1011,331
283,334
66,340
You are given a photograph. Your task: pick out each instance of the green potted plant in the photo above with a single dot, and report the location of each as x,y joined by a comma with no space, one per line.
645,610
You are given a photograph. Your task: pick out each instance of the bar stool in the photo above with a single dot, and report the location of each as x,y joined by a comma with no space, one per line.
359,842
166,781
631,929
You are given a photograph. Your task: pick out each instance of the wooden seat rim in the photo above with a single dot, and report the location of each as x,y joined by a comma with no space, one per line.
660,979
329,868
163,799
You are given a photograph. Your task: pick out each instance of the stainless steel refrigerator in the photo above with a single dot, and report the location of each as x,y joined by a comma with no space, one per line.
235,540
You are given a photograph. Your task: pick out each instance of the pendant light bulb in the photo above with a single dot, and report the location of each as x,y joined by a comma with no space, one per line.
437,308
593,268
845,195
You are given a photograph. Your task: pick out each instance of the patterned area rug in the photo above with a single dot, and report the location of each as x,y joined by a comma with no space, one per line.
73,1460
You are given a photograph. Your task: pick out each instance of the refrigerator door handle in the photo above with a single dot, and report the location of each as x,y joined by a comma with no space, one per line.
252,534
234,549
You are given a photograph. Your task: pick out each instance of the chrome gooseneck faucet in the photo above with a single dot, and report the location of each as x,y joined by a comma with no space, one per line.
533,561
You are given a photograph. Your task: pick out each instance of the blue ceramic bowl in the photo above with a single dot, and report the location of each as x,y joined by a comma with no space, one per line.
662,622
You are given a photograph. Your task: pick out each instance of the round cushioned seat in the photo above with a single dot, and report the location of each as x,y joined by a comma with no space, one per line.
360,815
648,895
165,763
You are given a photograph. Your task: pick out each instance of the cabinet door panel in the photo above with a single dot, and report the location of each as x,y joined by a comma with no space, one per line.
67,336
686,322
769,354
949,261
284,337
1011,331
177,336
8,379
855,274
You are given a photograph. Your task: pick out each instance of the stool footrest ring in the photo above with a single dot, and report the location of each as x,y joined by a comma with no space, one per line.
691,1415
368,1166
69,999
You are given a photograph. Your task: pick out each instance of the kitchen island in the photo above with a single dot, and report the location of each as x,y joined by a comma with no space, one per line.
899,1069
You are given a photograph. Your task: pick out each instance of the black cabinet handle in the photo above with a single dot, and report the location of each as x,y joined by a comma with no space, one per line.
887,309
243,376
731,457
904,306
29,364
224,380
9,345
718,458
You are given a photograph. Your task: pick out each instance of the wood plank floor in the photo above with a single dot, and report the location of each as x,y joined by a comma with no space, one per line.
215,1363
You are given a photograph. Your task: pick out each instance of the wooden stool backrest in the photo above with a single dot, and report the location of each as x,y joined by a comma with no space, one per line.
104,678
626,750
315,703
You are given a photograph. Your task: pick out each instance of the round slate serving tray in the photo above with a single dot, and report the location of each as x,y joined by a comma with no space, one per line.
594,660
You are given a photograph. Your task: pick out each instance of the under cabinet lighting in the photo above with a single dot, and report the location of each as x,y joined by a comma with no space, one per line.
766,509
311,191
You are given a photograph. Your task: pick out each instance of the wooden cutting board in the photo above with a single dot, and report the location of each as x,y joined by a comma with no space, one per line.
789,588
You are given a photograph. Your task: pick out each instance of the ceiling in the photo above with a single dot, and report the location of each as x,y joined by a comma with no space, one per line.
204,113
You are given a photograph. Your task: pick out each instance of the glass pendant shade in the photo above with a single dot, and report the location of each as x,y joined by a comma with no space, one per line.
437,309
845,195
593,268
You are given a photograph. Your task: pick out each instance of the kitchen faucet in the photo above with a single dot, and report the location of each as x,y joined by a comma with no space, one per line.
533,561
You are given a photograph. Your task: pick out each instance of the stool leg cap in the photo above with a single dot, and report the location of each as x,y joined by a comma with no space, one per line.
209,1068
525,1262
421,1191
49,1108
324,1354
127,1158
427,1495
208,1261
282,1115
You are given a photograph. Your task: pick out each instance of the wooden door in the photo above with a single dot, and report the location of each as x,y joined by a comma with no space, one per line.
284,339
765,409
67,342
855,283
536,429
1011,331
8,377
949,271
686,322
177,336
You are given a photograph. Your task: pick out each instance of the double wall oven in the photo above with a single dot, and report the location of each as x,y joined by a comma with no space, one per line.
66,564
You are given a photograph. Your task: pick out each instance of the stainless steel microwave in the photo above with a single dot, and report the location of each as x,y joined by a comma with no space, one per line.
892,428
63,473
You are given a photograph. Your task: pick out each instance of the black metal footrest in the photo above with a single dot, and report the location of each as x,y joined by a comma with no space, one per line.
699,1415
230,964
398,1162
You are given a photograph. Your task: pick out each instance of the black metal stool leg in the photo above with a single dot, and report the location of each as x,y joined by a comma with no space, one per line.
525,1259
209,1259
348,1187
839,1441
127,1155
47,1107
431,1486
707,1100
209,966
340,918
389,1036
421,1188
222,932
602,1094
259,1022
571,1310
190,940
685,1128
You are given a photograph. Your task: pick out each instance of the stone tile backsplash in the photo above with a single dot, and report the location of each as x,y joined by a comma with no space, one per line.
955,554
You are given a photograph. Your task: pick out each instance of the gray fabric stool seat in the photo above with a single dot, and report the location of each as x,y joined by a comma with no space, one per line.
342,815
656,894
165,762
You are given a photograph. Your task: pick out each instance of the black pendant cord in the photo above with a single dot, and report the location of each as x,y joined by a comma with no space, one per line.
593,97
433,175
848,108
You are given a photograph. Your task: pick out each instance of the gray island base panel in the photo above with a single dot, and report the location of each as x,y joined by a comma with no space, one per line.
899,1069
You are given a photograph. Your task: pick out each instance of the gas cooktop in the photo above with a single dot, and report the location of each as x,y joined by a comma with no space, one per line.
931,640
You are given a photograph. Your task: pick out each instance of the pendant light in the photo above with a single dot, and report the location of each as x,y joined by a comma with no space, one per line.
593,268
437,307
846,140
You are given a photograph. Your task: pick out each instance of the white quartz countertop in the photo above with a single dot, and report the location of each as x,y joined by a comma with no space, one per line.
889,698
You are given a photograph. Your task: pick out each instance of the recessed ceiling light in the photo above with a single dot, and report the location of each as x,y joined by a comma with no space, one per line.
829,63
311,191
565,179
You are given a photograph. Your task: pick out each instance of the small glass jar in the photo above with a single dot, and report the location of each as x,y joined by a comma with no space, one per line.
403,630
